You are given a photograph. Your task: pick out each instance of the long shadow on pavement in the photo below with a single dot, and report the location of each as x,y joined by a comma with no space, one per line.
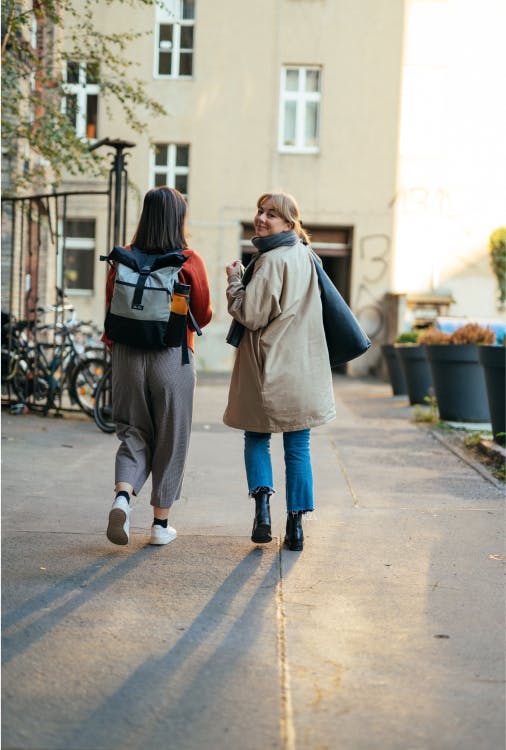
172,699
72,586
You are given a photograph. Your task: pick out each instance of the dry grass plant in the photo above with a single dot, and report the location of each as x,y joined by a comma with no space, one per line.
471,333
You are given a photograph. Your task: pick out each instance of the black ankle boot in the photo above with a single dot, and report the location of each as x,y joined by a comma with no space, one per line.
262,524
294,538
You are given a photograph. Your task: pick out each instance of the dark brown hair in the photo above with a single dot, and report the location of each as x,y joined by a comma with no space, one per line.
162,226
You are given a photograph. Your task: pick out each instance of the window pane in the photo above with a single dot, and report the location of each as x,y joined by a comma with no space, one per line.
185,64
91,115
92,72
188,9
160,179
289,131
169,8
186,37
181,183
78,269
311,134
164,63
292,79
182,156
71,108
312,80
166,35
72,71
161,151
84,228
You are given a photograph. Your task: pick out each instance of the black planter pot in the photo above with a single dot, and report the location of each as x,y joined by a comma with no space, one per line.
493,360
395,373
416,372
459,382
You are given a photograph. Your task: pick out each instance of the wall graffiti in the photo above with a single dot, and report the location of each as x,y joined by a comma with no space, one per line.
423,200
374,253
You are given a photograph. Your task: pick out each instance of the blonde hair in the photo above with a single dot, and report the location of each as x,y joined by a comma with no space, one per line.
286,207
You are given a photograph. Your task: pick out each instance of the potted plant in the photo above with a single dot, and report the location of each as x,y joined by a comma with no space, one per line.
414,366
497,244
395,373
493,359
459,382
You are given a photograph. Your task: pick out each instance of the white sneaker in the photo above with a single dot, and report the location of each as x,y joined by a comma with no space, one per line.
159,535
119,521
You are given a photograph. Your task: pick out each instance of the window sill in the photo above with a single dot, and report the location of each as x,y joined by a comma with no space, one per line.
159,77
297,150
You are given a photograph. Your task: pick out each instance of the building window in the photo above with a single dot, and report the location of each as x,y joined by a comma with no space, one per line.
300,109
175,26
81,86
78,257
170,165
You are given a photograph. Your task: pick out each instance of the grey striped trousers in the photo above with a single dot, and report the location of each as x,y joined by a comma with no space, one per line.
152,396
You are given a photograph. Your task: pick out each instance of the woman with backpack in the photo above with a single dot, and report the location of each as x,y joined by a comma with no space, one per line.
282,379
153,388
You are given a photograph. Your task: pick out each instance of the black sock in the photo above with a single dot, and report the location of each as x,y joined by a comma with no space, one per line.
160,522
123,493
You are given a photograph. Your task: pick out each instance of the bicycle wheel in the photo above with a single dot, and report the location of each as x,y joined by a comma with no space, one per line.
84,381
103,403
27,383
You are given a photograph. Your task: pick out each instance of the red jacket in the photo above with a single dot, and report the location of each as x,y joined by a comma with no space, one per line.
194,273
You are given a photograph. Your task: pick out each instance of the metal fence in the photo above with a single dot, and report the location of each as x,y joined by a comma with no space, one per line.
33,268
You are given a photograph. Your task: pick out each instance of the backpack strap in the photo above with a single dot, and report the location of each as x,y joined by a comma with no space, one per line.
139,288
107,260
185,357
194,323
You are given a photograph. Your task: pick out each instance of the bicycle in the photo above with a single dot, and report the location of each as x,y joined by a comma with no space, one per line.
102,412
18,375
40,372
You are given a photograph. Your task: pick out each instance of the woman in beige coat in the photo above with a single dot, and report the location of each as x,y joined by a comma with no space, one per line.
281,381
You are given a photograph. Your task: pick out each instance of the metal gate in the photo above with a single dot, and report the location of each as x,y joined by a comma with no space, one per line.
33,273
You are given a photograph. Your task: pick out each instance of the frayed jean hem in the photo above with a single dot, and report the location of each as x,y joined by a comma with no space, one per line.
256,490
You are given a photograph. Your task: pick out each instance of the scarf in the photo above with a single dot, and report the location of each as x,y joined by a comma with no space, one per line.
263,245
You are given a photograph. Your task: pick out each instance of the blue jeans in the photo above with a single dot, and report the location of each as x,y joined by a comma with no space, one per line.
298,472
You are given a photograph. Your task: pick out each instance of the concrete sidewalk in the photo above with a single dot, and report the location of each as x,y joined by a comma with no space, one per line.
385,633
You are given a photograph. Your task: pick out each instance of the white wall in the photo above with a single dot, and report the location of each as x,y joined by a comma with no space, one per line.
452,158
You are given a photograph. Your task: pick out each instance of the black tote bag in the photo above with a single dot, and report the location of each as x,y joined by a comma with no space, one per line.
346,340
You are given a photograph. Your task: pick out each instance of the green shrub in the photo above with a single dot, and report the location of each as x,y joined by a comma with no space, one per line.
497,244
408,337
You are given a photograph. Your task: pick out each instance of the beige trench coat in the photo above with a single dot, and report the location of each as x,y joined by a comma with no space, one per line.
281,380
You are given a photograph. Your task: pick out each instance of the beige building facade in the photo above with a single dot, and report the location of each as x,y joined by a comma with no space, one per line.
305,96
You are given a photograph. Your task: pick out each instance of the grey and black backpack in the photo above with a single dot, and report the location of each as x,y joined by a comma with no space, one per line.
149,307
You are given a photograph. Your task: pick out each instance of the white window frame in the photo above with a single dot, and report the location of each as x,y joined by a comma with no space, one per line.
170,168
301,97
75,243
81,91
171,12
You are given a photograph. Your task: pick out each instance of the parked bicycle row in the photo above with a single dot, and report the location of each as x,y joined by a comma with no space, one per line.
51,366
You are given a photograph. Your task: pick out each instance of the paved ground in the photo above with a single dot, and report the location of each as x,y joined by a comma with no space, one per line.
385,633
